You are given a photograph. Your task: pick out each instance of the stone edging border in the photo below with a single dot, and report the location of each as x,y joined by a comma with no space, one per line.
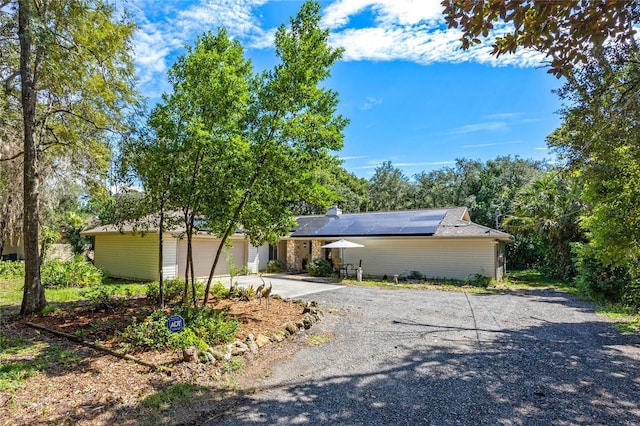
311,315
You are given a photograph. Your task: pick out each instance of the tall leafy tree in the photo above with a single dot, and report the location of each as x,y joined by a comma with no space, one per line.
344,189
291,128
68,69
500,181
198,139
599,139
389,189
249,146
548,210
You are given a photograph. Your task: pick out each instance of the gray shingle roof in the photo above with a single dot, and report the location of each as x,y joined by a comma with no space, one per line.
455,224
449,222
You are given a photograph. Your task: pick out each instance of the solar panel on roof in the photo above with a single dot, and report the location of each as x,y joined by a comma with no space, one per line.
416,222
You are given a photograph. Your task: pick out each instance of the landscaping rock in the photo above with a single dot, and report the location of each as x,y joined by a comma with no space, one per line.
238,348
307,321
262,340
190,354
291,328
251,343
278,336
210,358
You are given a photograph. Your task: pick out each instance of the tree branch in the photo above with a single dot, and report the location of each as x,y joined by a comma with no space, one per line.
85,119
12,157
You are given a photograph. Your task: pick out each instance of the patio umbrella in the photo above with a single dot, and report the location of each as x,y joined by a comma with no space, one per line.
342,244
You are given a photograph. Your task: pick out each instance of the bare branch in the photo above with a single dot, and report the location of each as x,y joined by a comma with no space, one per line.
13,157
85,119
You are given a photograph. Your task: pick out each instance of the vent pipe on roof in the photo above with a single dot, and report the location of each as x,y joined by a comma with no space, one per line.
334,211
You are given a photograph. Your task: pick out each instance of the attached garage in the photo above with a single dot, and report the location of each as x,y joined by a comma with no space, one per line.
134,256
204,251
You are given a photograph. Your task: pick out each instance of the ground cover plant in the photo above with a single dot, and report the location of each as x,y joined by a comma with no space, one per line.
39,369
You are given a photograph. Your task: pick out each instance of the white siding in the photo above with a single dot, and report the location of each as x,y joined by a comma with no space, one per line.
258,258
204,251
263,252
455,258
169,257
128,255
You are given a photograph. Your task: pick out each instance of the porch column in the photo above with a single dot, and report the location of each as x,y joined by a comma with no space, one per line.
316,251
292,256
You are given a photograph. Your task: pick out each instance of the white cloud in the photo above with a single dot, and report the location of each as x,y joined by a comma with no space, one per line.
163,33
482,145
370,103
353,157
478,127
410,30
503,115
416,164
235,15
403,12
425,163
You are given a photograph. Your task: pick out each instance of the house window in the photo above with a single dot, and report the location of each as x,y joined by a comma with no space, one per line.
273,252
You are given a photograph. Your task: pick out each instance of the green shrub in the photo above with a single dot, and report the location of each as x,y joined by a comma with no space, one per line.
320,268
631,296
478,280
243,293
104,298
213,326
203,327
74,273
151,333
597,281
415,275
276,265
11,270
219,290
173,290
185,339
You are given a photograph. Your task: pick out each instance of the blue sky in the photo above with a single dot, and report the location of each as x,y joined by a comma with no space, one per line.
412,95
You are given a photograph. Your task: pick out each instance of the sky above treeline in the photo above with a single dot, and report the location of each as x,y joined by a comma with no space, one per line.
412,95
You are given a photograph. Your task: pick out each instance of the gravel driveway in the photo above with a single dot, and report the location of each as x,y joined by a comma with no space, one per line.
430,357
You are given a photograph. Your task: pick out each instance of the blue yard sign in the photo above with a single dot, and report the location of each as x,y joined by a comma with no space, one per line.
175,323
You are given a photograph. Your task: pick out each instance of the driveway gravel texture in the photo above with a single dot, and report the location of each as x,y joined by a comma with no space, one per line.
408,357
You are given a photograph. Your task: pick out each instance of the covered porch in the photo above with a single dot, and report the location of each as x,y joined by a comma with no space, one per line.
296,253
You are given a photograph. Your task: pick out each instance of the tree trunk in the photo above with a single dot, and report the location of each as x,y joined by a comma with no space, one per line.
33,299
161,257
194,298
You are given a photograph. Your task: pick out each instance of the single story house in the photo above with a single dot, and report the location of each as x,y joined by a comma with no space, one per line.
437,243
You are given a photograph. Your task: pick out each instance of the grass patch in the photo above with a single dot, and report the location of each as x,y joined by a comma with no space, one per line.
173,395
531,279
11,291
318,339
632,326
444,285
21,359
